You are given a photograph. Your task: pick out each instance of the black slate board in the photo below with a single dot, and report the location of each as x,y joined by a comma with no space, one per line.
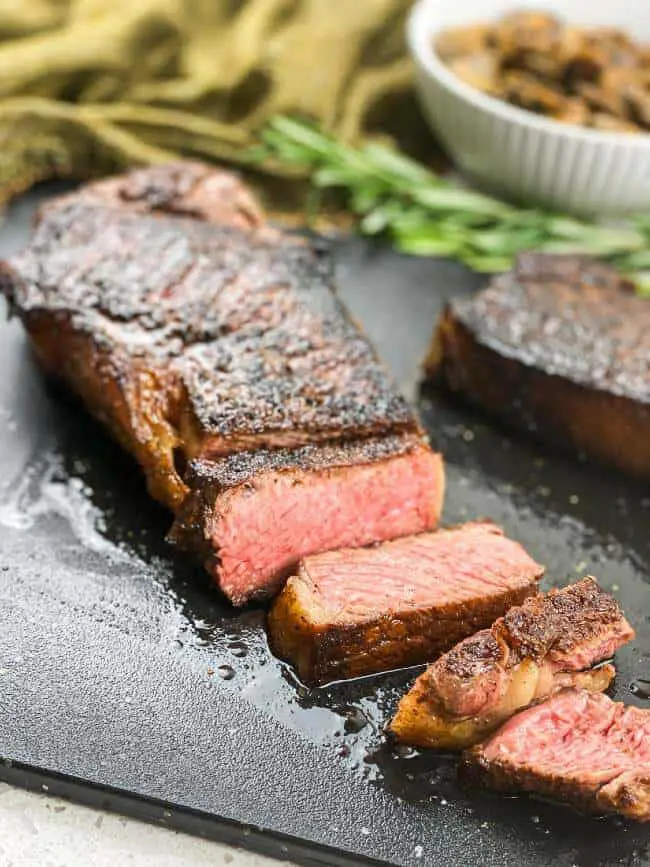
110,649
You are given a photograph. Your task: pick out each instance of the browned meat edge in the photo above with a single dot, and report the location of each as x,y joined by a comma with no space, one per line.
183,188
612,428
392,641
474,770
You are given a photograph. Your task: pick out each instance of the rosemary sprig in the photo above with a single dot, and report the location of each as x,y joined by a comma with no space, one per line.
423,214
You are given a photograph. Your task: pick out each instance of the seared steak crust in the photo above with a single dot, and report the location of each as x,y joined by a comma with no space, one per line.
559,347
183,188
561,623
549,642
240,335
242,467
474,657
394,640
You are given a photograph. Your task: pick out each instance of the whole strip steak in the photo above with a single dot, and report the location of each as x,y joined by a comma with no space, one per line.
195,342
559,347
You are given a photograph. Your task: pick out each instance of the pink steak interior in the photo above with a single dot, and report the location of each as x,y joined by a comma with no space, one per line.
265,528
576,735
448,567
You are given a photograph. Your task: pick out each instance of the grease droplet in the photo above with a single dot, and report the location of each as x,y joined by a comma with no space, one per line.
238,648
355,721
640,687
226,672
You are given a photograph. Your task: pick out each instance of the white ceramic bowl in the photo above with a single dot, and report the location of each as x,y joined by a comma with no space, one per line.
521,155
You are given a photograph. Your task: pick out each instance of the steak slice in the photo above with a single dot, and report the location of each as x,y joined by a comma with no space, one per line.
579,747
550,642
559,347
183,188
191,340
253,515
356,611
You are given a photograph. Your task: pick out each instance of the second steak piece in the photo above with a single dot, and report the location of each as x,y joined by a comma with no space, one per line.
353,612
578,747
560,347
548,643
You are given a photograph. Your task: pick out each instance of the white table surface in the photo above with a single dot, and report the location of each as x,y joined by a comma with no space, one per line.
41,831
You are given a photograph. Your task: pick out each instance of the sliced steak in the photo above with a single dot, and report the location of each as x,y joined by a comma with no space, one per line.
253,515
196,340
550,642
223,347
561,348
355,611
578,747
183,188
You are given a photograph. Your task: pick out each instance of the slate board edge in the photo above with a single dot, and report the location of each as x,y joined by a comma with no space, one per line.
172,817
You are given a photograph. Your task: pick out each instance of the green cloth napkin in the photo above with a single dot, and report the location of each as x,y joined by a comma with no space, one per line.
93,86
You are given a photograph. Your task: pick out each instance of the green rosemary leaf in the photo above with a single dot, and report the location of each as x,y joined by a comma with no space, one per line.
423,214
642,280
639,261
397,166
488,264
427,245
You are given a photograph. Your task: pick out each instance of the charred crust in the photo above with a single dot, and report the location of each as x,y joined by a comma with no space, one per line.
160,188
473,657
182,188
247,321
546,267
567,316
560,620
244,467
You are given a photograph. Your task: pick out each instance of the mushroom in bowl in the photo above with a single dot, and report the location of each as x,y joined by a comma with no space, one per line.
566,146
